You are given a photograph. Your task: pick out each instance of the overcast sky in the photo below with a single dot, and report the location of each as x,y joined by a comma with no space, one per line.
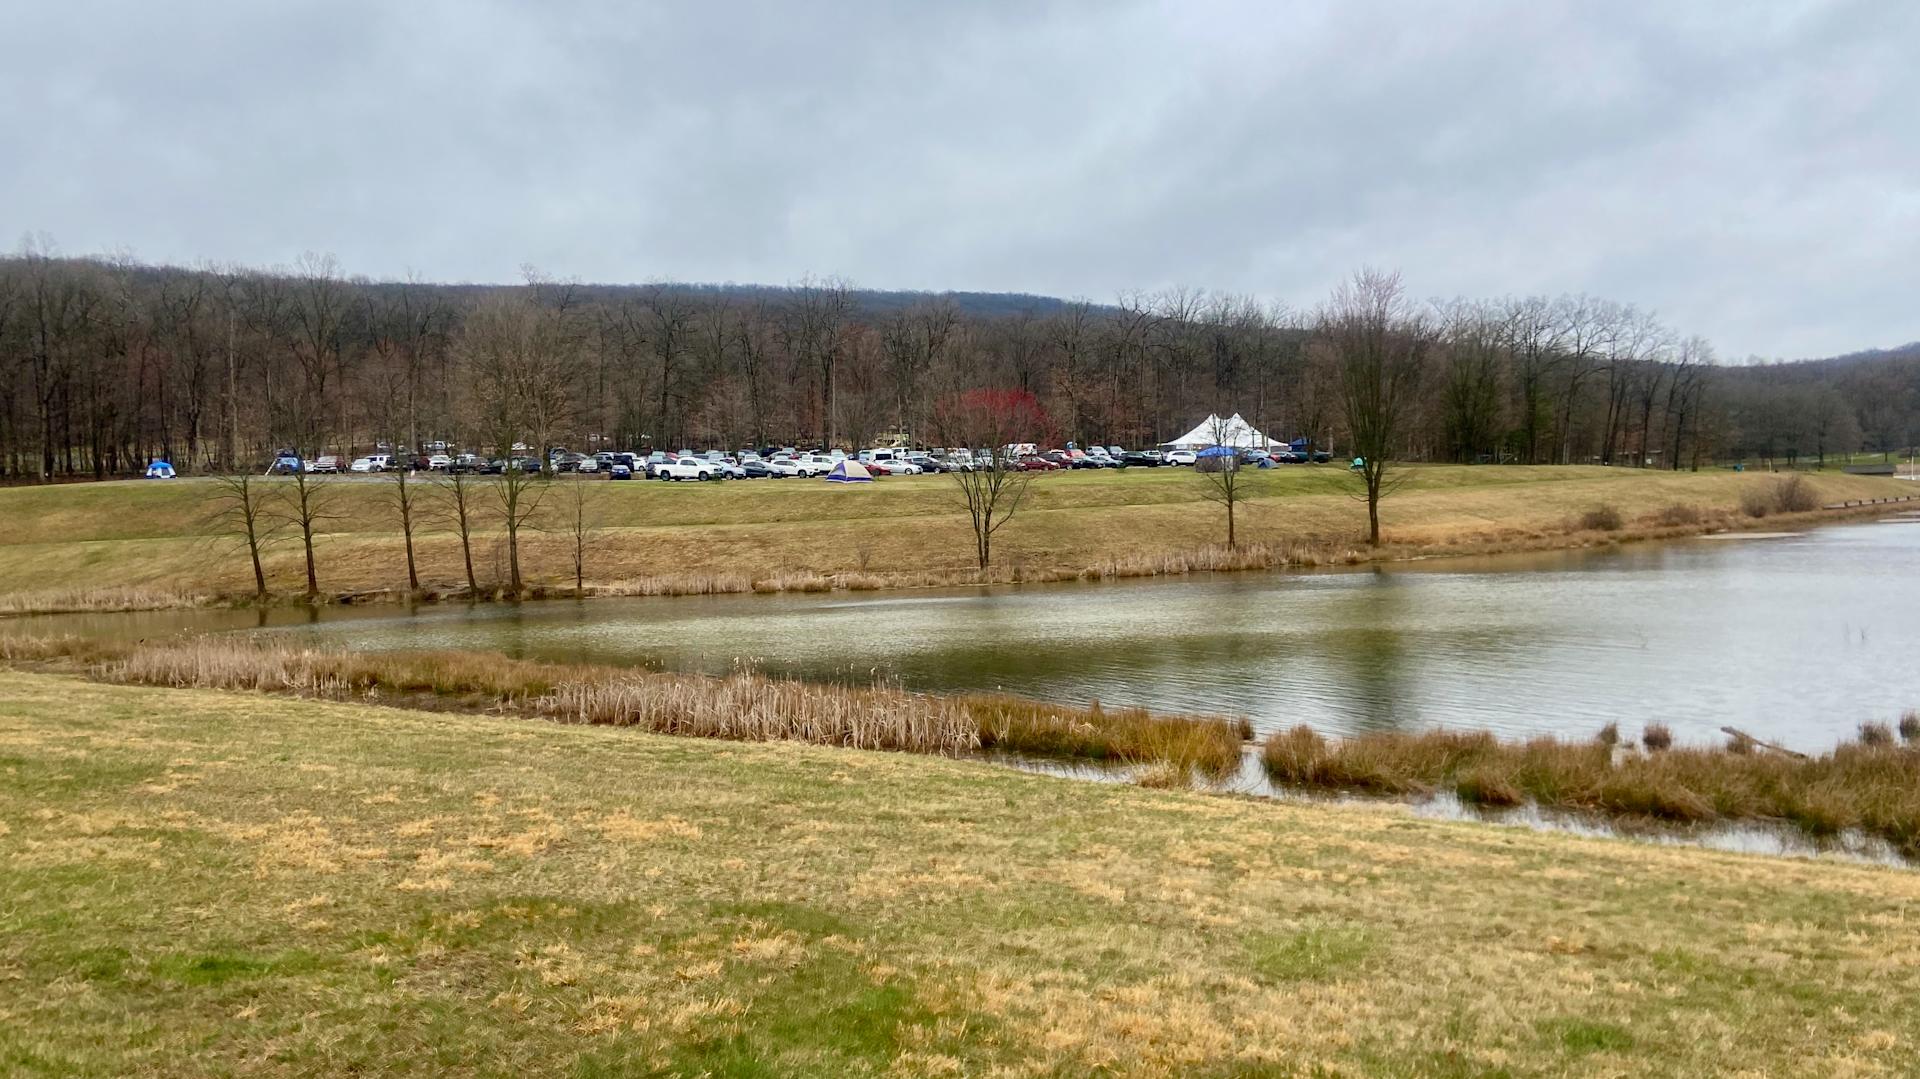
1749,170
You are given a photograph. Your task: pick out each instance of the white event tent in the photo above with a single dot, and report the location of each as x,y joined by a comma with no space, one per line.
1235,432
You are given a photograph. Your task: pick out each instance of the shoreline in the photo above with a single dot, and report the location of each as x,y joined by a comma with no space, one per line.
1863,789
1306,554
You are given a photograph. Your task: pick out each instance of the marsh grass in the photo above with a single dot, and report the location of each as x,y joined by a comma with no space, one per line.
1209,745
742,706
1872,784
105,600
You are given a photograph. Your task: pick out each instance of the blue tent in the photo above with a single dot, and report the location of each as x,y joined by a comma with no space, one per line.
1217,451
850,471
159,470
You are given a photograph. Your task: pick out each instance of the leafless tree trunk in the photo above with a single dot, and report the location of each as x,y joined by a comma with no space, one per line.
1377,344
1225,483
459,512
403,499
240,511
990,421
306,504
580,510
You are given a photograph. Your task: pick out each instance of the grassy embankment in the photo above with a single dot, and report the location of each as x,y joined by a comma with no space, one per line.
132,544
219,883
1872,785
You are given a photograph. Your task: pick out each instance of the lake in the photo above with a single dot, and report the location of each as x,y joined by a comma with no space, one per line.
1794,638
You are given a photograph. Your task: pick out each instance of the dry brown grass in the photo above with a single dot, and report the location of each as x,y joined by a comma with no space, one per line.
103,600
750,708
741,707
1788,494
219,883
1601,518
1210,746
1872,785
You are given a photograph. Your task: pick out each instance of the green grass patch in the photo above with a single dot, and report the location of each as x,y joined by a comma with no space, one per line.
235,883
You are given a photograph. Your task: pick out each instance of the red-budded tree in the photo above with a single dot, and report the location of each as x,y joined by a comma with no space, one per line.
991,422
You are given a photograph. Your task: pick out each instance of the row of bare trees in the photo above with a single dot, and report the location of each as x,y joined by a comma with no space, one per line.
105,364
258,515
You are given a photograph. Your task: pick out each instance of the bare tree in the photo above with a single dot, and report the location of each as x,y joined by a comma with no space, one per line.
239,511
1225,484
1377,345
520,492
519,351
306,504
404,497
817,317
992,421
580,513
458,510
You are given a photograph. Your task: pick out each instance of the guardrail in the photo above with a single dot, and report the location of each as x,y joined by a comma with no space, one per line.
1851,503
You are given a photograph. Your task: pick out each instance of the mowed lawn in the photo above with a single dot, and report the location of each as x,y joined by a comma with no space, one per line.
153,534
222,884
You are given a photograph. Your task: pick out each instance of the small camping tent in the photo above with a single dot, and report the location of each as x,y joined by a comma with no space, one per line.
849,471
159,470
1213,431
1217,459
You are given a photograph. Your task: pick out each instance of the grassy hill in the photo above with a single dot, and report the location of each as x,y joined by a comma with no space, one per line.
214,883
140,534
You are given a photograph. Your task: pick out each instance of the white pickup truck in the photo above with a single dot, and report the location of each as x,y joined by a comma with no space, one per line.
687,468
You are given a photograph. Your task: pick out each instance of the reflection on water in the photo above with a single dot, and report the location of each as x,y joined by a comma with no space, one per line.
1794,638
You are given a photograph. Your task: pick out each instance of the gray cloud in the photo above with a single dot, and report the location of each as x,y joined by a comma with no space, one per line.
1752,172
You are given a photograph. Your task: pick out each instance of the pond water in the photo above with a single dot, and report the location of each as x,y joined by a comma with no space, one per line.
1794,638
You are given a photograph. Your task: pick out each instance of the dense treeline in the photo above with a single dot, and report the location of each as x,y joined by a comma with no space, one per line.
105,364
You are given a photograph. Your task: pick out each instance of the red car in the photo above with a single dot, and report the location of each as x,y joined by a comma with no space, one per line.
1038,464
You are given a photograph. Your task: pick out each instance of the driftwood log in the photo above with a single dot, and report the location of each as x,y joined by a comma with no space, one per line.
1745,737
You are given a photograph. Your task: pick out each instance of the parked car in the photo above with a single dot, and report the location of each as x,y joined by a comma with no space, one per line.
1037,463
325,464
756,469
619,470
439,462
370,463
805,464
687,467
285,463
466,462
587,464
1181,457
